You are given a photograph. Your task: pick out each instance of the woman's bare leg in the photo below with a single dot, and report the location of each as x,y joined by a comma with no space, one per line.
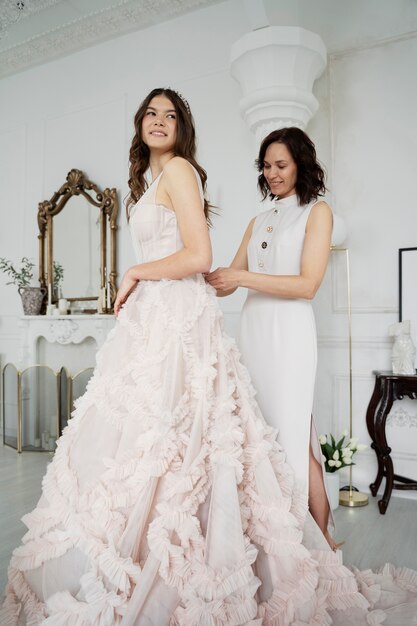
317,498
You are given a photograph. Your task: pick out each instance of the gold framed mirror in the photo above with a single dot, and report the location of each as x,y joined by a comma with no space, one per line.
80,242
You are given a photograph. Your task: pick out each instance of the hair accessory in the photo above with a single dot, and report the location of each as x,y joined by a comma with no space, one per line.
181,97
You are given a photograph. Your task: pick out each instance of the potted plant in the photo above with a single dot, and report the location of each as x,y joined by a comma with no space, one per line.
31,296
336,455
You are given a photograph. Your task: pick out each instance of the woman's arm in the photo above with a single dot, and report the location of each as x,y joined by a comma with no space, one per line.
240,262
314,260
180,184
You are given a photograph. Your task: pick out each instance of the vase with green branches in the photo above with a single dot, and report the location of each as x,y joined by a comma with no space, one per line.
32,297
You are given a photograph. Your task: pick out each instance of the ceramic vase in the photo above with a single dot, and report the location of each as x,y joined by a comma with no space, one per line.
32,298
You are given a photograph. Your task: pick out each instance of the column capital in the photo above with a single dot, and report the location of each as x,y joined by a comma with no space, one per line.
276,68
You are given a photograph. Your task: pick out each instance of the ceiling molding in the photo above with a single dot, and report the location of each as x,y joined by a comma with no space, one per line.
118,19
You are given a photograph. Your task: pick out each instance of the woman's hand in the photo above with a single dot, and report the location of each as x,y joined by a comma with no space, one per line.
125,289
225,278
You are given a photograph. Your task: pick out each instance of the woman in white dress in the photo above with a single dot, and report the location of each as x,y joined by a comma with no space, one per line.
168,501
282,260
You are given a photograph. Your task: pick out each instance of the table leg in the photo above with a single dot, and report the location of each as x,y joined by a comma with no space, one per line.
382,444
370,423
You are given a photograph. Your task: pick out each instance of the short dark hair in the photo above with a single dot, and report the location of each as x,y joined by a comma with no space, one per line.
310,175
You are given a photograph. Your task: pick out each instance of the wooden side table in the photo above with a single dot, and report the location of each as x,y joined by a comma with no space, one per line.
388,387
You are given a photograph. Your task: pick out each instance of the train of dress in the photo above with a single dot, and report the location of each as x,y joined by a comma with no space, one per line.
169,501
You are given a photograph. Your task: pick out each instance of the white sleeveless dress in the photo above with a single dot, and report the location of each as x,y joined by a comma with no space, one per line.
168,500
278,336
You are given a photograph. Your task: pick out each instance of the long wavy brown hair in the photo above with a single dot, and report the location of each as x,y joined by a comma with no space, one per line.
185,146
310,175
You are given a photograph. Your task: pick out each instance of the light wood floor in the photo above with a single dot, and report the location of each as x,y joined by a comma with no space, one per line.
371,539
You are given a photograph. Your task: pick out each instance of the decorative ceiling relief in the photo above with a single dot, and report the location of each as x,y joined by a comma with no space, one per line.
12,11
59,38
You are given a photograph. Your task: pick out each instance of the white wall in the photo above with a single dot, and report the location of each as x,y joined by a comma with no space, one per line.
77,112
373,92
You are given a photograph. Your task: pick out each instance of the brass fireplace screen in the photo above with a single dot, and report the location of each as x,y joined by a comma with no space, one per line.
37,404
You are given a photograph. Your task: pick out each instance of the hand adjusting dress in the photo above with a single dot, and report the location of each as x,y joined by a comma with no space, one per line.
168,500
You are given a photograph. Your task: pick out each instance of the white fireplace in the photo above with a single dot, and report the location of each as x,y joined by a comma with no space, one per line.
69,341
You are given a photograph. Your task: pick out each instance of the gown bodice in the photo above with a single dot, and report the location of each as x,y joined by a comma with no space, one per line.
154,227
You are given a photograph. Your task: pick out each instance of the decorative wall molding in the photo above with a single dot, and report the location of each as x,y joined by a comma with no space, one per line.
408,457
358,343
400,417
339,306
9,336
117,19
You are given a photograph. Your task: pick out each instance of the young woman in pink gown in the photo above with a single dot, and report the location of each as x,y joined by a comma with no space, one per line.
168,500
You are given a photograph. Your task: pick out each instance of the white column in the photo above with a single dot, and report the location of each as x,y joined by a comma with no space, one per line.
276,68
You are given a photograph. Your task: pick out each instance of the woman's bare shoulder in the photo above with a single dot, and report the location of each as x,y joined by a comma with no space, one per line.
177,165
321,206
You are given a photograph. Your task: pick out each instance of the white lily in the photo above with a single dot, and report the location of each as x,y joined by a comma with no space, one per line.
336,455
323,439
335,463
353,443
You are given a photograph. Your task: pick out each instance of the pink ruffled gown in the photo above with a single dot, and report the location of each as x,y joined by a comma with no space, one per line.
169,501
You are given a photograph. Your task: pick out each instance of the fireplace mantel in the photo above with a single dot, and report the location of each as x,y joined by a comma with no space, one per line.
63,330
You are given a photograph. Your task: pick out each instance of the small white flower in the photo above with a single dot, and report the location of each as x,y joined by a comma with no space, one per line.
324,458
347,460
338,463
336,455
332,463
323,439
344,433
346,453
361,446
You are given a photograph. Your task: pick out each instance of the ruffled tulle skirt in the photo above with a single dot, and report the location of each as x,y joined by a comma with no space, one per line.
169,501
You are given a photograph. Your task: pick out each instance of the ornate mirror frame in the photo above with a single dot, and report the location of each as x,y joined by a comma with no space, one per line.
107,203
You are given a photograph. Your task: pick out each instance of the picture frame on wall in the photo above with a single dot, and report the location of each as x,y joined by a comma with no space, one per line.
407,264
